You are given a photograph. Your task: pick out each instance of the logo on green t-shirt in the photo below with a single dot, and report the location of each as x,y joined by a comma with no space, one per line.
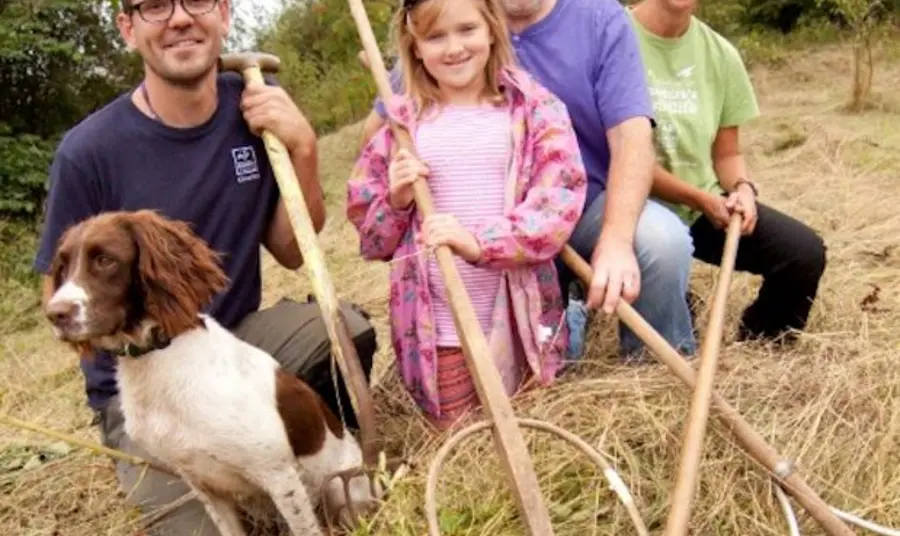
698,84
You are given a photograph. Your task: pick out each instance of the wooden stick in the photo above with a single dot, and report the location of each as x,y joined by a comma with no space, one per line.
746,436
692,448
97,448
507,436
78,442
341,345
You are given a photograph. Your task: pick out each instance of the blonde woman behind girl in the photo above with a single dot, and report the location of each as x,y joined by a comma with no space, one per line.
502,162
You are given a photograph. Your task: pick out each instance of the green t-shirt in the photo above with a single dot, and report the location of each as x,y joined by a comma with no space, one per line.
698,84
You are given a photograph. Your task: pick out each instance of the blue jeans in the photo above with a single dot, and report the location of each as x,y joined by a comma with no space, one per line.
664,251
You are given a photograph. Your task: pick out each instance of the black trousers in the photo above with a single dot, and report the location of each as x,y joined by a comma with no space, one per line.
790,257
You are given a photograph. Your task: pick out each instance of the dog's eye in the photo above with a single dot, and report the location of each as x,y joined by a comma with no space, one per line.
59,271
104,261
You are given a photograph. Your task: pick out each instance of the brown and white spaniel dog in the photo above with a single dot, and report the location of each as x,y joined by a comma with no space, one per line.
219,412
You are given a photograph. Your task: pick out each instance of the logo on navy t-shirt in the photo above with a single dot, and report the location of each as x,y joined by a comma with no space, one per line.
245,166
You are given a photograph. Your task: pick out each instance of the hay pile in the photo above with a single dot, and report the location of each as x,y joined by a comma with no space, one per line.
831,402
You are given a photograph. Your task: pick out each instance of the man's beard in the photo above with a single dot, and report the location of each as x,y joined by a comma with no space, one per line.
522,8
185,81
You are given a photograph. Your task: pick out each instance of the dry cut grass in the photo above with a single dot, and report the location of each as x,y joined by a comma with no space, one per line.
831,403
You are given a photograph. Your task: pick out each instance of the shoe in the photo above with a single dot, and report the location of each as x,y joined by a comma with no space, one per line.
576,322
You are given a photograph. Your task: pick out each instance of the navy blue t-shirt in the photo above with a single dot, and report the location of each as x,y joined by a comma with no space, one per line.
216,176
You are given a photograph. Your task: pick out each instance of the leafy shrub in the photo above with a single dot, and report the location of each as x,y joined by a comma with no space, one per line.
19,284
782,15
59,60
318,43
787,15
24,160
724,17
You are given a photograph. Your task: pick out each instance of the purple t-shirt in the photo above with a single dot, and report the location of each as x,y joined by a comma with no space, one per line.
585,52
216,176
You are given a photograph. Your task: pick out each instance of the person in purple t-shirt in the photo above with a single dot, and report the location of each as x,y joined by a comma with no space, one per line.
586,52
184,143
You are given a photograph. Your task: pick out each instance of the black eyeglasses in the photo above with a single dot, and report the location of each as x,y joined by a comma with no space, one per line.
158,11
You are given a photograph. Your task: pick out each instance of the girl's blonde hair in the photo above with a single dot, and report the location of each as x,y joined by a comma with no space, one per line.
417,21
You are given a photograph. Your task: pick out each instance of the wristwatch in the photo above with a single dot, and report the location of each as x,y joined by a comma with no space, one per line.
749,183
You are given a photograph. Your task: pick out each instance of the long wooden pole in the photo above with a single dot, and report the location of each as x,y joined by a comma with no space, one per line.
746,436
692,448
342,347
85,444
507,435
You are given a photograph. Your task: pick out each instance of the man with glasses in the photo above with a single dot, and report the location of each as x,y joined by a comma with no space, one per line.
185,143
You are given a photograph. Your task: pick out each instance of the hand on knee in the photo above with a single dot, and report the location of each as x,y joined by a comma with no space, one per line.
616,275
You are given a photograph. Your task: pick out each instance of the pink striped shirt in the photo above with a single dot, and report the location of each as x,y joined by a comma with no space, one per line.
467,151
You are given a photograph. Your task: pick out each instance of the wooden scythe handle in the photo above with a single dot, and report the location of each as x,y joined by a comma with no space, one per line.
692,448
341,344
507,435
746,436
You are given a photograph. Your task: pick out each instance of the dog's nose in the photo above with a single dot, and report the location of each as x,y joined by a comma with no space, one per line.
62,312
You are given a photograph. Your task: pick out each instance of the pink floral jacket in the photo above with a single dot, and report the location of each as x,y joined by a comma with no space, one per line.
545,195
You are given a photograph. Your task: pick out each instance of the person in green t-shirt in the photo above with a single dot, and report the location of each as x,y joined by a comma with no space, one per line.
702,95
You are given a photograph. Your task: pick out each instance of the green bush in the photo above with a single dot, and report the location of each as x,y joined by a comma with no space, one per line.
724,17
19,284
787,15
317,42
59,60
24,160
782,15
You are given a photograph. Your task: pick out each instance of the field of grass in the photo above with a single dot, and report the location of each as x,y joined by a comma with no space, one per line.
832,403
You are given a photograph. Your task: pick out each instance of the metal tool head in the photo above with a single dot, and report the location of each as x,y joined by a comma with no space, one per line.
238,61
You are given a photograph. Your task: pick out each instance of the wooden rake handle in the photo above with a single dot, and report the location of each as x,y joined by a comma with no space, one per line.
692,448
341,343
92,446
750,440
508,437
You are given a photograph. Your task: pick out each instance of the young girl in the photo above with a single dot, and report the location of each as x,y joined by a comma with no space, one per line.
501,159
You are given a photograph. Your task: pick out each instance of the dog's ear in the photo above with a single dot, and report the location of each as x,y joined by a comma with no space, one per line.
178,272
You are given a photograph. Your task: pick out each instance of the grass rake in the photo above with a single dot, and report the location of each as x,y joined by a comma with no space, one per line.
692,448
251,65
507,434
782,469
